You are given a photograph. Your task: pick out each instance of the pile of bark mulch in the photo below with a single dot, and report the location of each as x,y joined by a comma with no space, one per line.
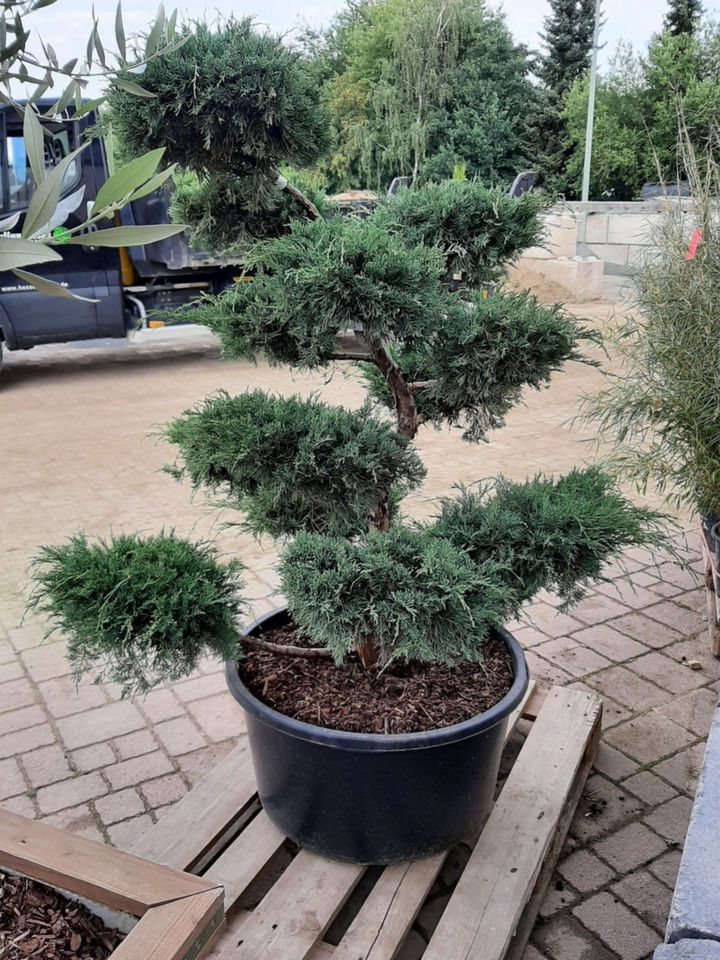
37,923
402,699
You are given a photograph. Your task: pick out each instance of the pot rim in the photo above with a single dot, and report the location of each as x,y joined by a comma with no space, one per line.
369,742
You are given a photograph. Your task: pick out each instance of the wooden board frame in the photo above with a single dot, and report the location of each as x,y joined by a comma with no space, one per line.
177,913
493,907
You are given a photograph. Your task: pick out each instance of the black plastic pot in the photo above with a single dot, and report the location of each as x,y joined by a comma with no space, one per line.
370,798
711,532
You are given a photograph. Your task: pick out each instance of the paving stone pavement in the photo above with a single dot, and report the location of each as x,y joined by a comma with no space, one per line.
80,450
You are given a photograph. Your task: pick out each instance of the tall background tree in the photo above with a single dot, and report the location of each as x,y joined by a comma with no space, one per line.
567,41
683,17
414,87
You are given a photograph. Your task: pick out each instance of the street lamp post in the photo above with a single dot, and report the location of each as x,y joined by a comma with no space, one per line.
591,105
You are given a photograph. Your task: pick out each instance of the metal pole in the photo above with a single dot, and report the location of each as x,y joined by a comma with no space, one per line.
591,105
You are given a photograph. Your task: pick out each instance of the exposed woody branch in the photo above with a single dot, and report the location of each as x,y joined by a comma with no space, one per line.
405,408
308,206
421,385
287,649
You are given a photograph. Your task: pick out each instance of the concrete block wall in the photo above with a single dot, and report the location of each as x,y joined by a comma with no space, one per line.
586,241
693,928
557,260
620,234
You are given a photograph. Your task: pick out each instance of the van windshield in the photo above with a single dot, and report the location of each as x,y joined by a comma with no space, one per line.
20,180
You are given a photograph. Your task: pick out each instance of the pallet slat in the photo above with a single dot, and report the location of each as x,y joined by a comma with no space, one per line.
484,912
390,910
187,923
90,869
239,865
203,816
294,915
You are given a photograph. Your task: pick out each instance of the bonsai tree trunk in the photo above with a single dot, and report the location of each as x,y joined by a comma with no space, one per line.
284,184
408,423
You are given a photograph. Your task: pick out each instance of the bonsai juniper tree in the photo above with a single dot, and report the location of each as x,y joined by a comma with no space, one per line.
360,578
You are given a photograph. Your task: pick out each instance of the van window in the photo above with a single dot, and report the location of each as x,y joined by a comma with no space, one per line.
20,181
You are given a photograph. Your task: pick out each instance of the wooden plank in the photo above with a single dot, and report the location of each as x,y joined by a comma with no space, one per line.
388,913
90,869
195,824
239,865
498,881
516,950
174,931
295,914
532,705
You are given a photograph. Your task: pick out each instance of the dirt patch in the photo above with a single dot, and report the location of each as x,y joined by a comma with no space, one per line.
39,923
403,699
521,278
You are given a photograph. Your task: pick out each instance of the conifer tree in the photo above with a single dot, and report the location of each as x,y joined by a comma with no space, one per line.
568,41
683,17
403,292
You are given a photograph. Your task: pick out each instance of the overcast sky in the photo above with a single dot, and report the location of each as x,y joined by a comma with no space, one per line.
66,24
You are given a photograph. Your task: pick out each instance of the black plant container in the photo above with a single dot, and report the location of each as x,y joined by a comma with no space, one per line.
711,531
371,798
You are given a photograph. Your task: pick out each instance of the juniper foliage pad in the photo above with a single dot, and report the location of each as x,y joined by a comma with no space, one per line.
230,100
414,594
548,534
139,611
430,593
228,213
481,356
292,464
323,278
480,231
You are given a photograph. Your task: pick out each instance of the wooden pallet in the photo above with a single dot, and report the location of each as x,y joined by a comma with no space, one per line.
218,832
177,913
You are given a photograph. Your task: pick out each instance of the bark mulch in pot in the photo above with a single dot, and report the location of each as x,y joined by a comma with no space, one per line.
38,923
402,699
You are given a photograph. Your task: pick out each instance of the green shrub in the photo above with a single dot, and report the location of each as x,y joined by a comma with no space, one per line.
413,594
548,534
227,214
139,611
292,464
480,231
230,100
320,279
480,357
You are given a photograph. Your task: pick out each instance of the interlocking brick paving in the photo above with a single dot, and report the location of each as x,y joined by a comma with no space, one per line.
79,452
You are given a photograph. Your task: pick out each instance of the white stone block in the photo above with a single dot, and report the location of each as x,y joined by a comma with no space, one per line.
560,239
629,228
596,228
617,253
583,279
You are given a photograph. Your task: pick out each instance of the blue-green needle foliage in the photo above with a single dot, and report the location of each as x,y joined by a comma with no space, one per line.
548,534
415,595
292,464
481,356
322,278
227,214
232,99
138,611
430,593
480,231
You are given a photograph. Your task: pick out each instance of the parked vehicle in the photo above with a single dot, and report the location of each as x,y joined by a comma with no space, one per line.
127,284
